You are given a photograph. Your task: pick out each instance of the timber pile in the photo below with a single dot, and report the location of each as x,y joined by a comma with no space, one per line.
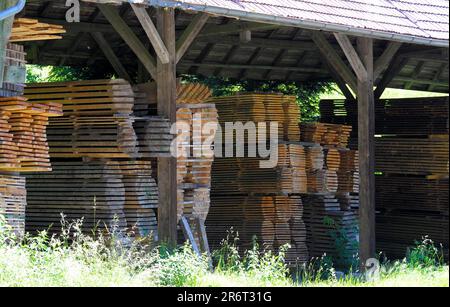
412,158
412,155
105,194
272,221
23,139
27,29
326,134
324,216
259,108
15,71
13,201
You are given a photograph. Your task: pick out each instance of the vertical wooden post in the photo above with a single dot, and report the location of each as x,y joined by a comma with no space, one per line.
366,141
5,32
166,97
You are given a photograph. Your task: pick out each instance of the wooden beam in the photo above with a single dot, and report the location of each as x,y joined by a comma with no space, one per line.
259,67
189,35
152,33
389,75
110,55
236,28
167,107
5,33
352,56
129,37
341,83
385,59
437,76
415,74
366,147
188,235
333,58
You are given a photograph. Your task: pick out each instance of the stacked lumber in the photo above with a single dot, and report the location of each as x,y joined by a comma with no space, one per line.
154,137
425,156
324,216
13,201
27,29
105,194
97,121
257,108
412,161
14,73
271,221
326,134
246,175
23,138
412,116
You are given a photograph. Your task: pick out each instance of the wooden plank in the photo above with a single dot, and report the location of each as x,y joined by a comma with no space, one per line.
5,32
385,59
167,107
366,147
352,56
111,56
329,53
129,37
188,36
152,33
389,75
189,235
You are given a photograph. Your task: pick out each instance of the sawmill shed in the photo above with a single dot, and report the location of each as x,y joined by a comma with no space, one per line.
364,46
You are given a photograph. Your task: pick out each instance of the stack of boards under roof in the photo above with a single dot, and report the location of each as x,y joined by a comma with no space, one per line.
27,29
275,203
102,155
105,194
13,200
98,121
412,167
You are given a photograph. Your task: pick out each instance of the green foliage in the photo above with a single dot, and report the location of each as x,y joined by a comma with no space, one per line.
425,255
38,73
346,248
308,94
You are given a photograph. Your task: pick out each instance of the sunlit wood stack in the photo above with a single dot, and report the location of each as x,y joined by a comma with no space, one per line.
13,201
326,134
257,108
98,121
23,136
15,71
27,29
272,221
105,194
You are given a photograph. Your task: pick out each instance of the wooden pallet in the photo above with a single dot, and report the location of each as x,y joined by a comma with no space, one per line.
105,194
13,201
27,29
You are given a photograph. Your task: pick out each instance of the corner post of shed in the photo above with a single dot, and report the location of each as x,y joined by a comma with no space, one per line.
366,147
166,98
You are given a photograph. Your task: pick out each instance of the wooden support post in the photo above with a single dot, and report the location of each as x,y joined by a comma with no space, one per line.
110,55
129,37
366,147
385,59
392,71
166,97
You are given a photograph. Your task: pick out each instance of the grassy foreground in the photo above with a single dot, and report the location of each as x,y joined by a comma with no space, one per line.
43,261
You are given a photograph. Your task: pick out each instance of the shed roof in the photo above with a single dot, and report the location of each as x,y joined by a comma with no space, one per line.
414,21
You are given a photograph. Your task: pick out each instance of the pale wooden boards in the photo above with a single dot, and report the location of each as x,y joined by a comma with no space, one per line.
27,29
13,201
23,139
326,134
105,194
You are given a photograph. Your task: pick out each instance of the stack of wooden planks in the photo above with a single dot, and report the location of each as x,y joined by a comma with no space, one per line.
23,126
326,134
14,73
97,119
257,108
412,168
325,218
271,221
13,201
27,29
104,194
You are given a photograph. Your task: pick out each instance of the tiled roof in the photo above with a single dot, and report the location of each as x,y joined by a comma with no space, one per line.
422,21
